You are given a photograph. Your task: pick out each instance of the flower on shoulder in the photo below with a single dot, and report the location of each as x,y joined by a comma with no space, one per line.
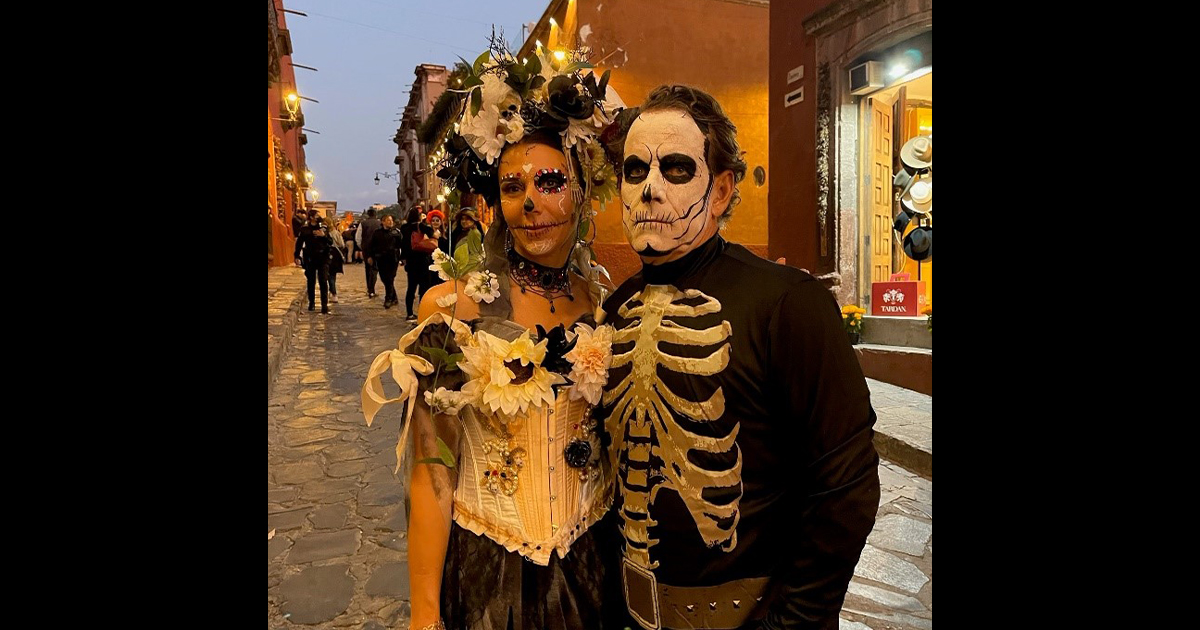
482,286
590,359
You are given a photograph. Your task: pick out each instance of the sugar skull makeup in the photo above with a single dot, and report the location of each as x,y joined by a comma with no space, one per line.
665,187
536,202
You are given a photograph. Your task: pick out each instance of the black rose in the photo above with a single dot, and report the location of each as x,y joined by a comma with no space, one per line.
567,102
556,348
577,453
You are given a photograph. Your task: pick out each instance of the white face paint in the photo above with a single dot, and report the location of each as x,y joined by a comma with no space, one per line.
665,187
536,202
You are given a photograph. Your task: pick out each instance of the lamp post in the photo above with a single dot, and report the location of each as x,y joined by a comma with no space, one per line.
395,176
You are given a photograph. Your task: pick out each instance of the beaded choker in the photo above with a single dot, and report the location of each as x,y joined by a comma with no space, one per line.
547,282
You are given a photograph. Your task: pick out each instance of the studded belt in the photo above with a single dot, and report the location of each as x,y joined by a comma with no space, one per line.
720,607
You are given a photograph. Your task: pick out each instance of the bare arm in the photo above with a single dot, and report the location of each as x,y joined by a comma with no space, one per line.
431,490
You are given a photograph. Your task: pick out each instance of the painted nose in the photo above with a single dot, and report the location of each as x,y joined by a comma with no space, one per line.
528,204
647,194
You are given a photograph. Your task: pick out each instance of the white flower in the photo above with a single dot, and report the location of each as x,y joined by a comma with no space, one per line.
446,401
446,301
590,360
488,131
482,286
506,378
439,258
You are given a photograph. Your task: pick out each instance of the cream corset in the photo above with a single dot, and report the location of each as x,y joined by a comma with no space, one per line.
530,474
539,502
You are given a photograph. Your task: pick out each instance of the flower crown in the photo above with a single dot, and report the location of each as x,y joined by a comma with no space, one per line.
503,100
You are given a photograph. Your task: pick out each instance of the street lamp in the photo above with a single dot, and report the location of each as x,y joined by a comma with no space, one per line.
292,103
395,176
309,177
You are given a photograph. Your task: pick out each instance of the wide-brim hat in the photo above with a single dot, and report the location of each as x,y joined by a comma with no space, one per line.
917,153
918,199
903,218
466,212
918,245
901,179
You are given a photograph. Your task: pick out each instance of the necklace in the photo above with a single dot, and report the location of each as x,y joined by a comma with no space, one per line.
548,282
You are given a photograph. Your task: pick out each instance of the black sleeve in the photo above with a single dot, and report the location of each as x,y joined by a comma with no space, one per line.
837,497
299,244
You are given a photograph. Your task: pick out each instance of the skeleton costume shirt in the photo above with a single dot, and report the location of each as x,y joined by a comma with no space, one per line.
736,418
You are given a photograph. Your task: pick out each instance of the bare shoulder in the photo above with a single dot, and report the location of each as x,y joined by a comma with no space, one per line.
464,308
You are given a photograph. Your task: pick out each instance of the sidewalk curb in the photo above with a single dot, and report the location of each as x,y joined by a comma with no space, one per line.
905,455
277,353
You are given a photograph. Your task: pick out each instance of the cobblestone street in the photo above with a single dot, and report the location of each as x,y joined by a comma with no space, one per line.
337,557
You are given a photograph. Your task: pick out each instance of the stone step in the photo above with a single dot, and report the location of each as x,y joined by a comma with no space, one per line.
903,366
903,426
911,332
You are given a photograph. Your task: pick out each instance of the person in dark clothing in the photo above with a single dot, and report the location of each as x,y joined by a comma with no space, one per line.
299,220
362,238
738,418
313,248
384,254
416,262
440,232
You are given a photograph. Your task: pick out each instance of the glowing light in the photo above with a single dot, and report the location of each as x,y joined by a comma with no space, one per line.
292,97
560,55
552,22
897,71
539,44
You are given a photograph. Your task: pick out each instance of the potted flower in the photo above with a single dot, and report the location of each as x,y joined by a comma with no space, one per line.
853,322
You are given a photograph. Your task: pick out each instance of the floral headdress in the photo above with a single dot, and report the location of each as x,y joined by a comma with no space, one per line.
503,100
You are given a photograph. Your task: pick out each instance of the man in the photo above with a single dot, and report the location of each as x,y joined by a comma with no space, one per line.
314,246
383,252
299,220
737,418
362,238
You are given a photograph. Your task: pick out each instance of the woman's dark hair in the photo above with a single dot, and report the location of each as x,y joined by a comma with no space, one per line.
720,135
414,215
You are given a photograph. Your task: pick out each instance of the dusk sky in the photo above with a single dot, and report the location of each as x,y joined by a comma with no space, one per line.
365,52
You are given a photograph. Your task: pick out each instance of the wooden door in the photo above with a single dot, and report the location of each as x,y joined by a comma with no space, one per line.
880,190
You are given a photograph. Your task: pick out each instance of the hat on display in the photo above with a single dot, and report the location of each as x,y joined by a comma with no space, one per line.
918,245
918,198
903,218
917,153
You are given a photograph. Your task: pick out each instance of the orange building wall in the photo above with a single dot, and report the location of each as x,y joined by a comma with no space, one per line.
718,46
281,233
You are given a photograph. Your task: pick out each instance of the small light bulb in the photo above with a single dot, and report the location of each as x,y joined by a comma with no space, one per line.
560,55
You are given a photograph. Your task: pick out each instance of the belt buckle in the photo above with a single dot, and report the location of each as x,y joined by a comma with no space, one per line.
643,607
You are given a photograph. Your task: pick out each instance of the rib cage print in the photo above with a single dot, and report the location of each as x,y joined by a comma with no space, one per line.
643,417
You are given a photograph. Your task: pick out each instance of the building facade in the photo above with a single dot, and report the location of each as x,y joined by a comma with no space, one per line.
287,182
416,181
839,137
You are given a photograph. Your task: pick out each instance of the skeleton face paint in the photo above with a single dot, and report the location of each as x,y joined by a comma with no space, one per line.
536,202
665,187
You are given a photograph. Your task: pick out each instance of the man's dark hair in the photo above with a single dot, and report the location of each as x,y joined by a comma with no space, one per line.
370,212
414,215
720,135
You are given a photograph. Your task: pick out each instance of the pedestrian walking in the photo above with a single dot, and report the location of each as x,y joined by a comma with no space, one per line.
363,238
313,247
384,254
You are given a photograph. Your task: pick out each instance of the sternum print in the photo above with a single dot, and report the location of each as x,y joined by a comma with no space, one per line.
643,418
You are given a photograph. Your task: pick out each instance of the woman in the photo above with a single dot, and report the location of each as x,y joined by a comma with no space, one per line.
437,223
336,258
384,254
416,260
501,540
464,222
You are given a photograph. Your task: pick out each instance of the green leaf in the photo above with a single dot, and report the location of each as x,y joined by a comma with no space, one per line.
431,460
578,65
462,256
447,456
450,269
537,82
583,229
480,60
604,83
471,82
454,359
533,65
439,356
476,102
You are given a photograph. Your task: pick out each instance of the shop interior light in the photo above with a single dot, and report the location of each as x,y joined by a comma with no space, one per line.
897,70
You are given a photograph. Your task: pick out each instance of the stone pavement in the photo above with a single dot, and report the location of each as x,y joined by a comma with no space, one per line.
904,426
338,556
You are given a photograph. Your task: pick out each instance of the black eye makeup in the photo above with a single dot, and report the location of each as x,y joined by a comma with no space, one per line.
677,168
550,181
635,170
